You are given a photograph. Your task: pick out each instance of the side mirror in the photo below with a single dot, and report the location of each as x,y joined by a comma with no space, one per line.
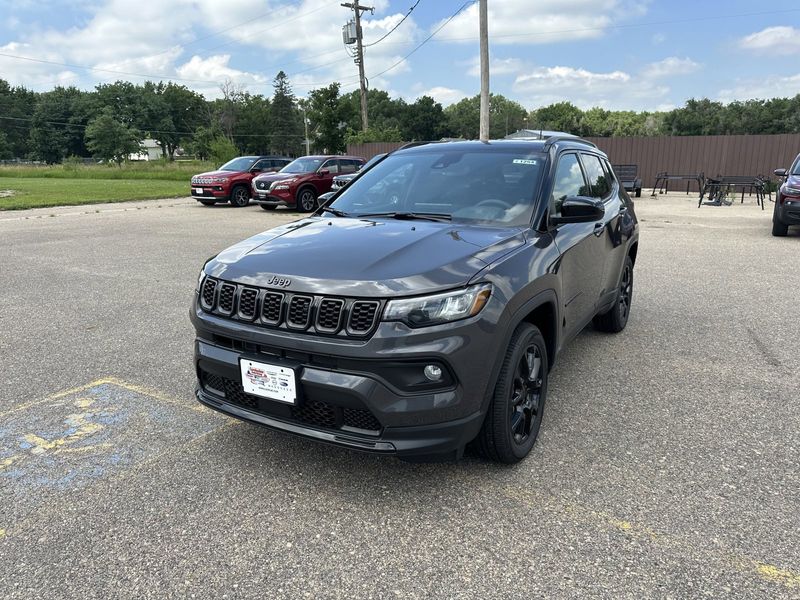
324,199
255,170
579,209
780,172
324,172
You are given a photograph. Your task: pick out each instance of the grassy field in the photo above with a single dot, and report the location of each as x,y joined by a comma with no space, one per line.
60,185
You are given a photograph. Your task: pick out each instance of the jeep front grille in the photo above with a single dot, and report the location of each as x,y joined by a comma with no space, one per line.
284,310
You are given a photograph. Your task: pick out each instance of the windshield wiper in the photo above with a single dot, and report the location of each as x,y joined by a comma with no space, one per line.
409,216
335,211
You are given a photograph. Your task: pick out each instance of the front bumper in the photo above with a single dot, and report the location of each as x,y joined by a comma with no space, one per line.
273,199
787,211
343,396
209,192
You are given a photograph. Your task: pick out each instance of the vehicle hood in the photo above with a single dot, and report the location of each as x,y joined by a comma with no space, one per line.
218,174
270,177
365,257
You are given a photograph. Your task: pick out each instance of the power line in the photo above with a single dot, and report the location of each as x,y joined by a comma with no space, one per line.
391,31
145,129
427,39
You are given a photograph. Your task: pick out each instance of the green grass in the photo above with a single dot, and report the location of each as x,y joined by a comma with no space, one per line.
148,170
31,192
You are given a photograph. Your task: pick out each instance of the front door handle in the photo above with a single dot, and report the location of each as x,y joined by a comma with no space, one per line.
599,228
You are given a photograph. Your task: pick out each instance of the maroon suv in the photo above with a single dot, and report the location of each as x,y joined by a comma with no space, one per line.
231,182
300,183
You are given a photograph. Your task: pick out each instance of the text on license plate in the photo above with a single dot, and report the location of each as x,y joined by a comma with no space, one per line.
268,381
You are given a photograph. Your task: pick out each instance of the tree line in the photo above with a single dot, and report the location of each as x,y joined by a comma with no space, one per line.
110,121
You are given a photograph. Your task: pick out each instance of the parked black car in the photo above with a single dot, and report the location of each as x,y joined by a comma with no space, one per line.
342,180
414,320
787,200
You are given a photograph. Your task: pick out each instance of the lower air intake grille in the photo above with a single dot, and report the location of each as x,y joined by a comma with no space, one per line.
316,413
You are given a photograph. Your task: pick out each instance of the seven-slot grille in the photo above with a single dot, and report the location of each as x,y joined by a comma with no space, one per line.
299,312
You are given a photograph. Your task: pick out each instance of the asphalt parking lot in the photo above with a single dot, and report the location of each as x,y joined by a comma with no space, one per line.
667,465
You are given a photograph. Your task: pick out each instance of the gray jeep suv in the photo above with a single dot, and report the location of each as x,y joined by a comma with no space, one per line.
423,308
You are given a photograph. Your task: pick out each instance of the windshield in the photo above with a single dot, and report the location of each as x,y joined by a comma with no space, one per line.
795,170
303,165
243,163
490,187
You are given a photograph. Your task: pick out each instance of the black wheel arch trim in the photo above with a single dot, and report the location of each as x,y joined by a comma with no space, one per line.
543,298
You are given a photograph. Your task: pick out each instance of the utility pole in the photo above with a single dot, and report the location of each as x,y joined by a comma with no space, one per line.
305,124
359,60
484,35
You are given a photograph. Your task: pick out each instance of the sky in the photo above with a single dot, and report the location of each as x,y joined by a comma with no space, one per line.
617,54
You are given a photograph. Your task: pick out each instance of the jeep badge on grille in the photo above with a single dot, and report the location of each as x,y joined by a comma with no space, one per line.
276,281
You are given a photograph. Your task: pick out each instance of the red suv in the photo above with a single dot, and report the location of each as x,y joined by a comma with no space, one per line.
231,182
300,183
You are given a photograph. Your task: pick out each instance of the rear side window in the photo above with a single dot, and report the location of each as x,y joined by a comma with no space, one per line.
348,165
599,185
569,181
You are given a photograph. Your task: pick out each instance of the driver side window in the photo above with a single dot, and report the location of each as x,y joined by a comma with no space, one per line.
332,166
569,181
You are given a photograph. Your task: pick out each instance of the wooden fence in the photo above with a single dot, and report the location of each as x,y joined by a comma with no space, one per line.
680,155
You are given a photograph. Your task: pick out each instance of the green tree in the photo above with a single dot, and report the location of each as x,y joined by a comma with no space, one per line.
252,129
57,125
505,116
561,116
423,120
5,147
221,150
286,122
17,104
393,134
328,114
110,139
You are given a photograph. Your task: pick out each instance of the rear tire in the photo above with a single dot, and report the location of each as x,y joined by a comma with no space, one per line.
638,192
779,229
306,200
615,319
240,196
515,414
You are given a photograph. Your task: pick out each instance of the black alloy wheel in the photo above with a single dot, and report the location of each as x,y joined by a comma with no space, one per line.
240,196
615,319
515,414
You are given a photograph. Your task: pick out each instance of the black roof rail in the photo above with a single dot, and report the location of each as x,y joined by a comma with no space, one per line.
567,138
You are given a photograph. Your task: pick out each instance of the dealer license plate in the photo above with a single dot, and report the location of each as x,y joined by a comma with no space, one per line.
268,381
198,190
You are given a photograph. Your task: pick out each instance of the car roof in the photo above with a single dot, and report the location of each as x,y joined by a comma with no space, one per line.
513,145
327,156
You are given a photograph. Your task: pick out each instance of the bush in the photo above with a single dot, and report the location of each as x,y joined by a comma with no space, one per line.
221,150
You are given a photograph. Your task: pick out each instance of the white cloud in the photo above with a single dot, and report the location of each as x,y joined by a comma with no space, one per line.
670,67
782,40
542,21
497,66
659,38
443,95
767,87
169,47
611,90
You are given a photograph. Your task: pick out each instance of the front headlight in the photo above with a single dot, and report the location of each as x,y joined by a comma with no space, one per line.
791,191
219,180
281,184
200,280
439,308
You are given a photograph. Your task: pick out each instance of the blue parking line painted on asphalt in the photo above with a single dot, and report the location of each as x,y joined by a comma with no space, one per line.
65,443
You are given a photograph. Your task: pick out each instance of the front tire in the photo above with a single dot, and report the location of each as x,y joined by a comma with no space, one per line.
615,319
306,200
240,196
779,229
515,413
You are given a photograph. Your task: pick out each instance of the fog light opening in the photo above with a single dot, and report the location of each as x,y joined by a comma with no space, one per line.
433,372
